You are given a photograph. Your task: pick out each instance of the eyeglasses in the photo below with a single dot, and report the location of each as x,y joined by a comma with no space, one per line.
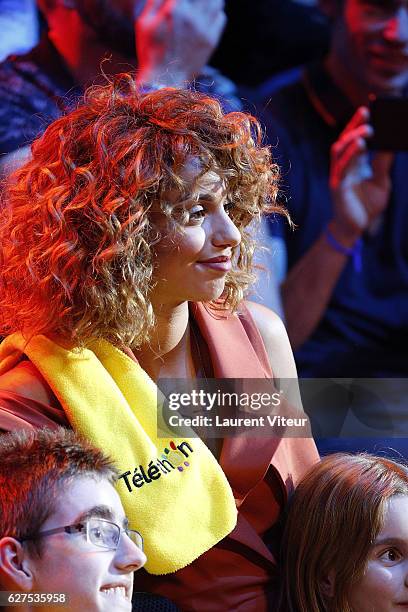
100,532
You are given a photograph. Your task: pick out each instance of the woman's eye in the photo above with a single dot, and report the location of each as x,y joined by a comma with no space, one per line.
391,555
196,214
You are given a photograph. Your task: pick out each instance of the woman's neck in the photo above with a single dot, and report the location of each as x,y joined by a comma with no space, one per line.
168,353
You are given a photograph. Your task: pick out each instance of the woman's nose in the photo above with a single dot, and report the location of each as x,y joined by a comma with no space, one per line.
225,232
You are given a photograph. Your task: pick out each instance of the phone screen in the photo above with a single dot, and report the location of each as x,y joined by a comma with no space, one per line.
389,118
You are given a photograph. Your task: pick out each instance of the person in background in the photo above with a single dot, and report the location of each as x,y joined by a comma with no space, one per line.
345,545
168,42
264,38
354,319
126,253
63,528
347,260
18,25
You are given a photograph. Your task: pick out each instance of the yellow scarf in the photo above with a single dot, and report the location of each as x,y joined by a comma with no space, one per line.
180,499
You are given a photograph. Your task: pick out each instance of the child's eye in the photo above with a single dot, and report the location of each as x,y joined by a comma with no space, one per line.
96,533
391,555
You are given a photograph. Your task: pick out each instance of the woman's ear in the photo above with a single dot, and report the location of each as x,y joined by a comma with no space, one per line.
15,566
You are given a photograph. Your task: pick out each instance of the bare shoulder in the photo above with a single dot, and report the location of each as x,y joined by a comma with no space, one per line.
269,324
275,338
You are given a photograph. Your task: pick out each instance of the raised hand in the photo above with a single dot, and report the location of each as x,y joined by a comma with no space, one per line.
360,189
175,38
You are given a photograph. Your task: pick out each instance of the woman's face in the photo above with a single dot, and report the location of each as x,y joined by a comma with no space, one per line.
191,264
384,584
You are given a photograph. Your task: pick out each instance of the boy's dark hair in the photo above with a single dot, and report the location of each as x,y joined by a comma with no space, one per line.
35,466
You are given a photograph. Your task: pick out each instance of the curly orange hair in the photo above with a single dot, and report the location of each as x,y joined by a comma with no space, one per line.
76,258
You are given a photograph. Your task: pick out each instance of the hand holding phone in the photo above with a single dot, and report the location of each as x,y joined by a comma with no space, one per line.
360,183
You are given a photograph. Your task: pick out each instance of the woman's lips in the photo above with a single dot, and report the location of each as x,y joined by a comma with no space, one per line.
219,264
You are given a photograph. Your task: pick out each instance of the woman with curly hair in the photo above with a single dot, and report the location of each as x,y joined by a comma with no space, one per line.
345,544
125,257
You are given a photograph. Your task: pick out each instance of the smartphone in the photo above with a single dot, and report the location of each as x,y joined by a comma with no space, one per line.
389,118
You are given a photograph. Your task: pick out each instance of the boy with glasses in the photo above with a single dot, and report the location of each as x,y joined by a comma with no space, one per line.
64,536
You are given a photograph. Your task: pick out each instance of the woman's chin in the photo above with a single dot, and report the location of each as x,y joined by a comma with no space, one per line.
207,293
212,293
